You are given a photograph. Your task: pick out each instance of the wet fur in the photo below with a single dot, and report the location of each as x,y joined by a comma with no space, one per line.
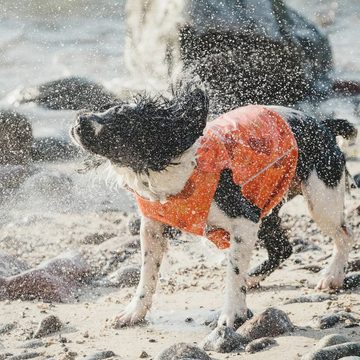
152,145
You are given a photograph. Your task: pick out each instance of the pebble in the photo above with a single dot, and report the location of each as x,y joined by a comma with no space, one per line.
6,328
24,356
183,351
223,340
134,225
144,355
47,326
100,355
125,277
329,320
32,344
352,280
272,322
309,299
97,239
260,344
334,352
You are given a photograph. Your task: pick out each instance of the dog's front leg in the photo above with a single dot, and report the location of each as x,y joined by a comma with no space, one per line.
153,246
242,242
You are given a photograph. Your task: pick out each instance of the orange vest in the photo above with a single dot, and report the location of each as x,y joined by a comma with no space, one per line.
260,149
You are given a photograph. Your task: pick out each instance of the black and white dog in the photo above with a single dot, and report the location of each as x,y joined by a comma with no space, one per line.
151,144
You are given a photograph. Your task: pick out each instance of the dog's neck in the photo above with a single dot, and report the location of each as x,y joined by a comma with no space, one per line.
159,185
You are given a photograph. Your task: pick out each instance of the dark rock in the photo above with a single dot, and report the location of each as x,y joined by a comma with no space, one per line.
53,149
334,352
134,225
352,280
53,280
15,139
6,328
182,351
223,340
49,325
125,277
330,320
313,268
357,180
272,322
96,239
330,340
100,355
260,344
144,355
73,93
171,232
354,265
310,298
24,356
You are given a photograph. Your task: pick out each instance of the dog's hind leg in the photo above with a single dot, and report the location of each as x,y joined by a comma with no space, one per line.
277,245
326,205
243,238
153,247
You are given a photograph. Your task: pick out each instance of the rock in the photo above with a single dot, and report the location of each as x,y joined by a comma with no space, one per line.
352,280
171,232
53,149
6,328
330,320
125,277
33,344
49,325
330,340
272,322
238,48
100,355
182,351
313,268
354,265
53,280
357,180
73,93
334,352
223,340
134,225
24,356
260,344
144,355
309,299
11,265
96,239
15,139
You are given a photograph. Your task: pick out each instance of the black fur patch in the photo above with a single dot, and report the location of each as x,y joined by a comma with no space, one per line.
229,199
149,134
318,150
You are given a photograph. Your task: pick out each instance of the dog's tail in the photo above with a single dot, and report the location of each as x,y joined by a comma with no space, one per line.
341,127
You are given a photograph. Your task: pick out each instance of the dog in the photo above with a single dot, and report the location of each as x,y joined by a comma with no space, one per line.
160,147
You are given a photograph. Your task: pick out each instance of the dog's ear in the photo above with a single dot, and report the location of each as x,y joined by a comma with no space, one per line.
194,105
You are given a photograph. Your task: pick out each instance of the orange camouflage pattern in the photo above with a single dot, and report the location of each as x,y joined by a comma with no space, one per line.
257,145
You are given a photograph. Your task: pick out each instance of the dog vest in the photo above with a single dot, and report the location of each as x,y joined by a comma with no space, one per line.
257,145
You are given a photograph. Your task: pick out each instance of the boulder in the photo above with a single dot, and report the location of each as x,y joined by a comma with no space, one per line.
72,93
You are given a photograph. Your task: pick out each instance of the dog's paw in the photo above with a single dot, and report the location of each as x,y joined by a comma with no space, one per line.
133,314
253,281
234,319
330,282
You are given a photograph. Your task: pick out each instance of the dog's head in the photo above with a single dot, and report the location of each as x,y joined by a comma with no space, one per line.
146,134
